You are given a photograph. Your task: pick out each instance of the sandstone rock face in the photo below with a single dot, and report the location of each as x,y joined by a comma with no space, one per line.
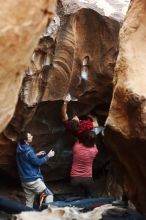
21,23
56,69
86,33
126,124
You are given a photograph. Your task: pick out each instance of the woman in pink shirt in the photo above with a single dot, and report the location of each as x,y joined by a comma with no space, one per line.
84,153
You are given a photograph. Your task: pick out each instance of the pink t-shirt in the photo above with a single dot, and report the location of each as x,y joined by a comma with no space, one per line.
82,160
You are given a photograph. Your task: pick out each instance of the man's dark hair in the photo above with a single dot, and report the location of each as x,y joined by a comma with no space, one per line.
22,137
73,125
88,138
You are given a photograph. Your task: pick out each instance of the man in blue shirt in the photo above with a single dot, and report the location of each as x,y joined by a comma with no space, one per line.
29,163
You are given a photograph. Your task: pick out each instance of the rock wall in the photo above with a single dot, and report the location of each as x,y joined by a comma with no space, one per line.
111,8
77,57
21,23
126,124
55,69
78,38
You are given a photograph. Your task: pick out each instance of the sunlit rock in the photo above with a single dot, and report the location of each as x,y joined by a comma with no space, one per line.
126,124
115,9
85,33
21,23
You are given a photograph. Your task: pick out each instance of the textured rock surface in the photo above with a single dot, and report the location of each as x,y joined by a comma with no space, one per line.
80,37
56,68
76,39
111,8
21,23
127,118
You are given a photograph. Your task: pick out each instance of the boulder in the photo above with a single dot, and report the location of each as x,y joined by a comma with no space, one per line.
125,131
21,23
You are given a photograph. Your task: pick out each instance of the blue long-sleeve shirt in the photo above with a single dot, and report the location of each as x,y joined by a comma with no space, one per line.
28,163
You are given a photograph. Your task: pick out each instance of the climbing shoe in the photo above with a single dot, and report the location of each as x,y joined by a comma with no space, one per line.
120,203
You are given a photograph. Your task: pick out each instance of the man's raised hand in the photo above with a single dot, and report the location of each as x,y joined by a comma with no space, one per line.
67,98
